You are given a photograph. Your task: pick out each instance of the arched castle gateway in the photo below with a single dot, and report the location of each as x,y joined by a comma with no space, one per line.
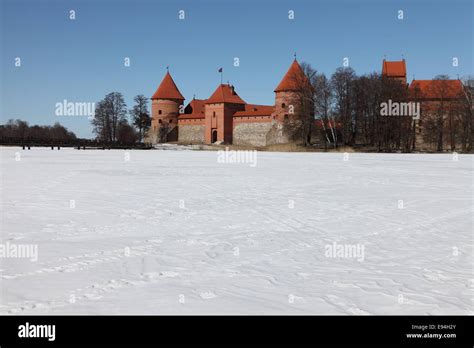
224,116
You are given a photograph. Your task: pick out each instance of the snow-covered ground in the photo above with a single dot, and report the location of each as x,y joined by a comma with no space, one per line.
178,232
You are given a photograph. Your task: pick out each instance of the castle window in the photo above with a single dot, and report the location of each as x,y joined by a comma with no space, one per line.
159,121
283,105
286,117
171,121
214,114
159,112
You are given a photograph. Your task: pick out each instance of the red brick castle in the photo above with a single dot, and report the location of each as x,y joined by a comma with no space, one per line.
226,118
223,117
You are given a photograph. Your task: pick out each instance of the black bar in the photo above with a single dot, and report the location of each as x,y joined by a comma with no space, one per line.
225,330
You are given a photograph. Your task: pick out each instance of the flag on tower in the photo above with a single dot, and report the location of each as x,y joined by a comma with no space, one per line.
220,71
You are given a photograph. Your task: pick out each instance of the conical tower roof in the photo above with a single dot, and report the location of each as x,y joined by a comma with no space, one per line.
167,89
292,78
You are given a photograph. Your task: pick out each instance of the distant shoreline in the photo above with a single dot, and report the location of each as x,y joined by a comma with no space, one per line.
285,148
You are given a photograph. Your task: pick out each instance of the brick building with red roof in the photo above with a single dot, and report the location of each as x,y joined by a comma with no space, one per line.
440,99
440,103
224,117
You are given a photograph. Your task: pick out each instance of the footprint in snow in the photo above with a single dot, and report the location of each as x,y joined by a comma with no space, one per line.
169,274
207,295
92,296
303,275
163,274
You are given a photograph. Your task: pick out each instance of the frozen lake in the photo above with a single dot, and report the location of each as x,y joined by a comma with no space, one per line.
177,232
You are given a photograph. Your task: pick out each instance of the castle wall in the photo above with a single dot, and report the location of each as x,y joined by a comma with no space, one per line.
251,133
151,137
277,134
229,111
191,121
191,133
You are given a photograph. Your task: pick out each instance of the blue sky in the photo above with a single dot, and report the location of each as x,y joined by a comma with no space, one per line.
83,59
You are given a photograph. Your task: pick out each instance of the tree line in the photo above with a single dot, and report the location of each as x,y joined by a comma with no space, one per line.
347,107
20,132
110,125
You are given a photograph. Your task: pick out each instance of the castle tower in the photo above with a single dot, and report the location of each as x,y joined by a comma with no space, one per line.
165,104
219,111
286,94
396,70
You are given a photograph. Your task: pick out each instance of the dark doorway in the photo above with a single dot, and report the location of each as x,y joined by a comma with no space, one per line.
214,136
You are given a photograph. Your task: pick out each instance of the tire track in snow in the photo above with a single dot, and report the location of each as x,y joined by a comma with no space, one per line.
89,293
107,256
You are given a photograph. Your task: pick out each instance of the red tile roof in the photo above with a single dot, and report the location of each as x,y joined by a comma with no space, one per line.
292,78
436,89
167,89
255,110
195,109
225,94
394,68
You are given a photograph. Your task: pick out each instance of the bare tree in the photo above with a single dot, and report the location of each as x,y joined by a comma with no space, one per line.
467,115
101,123
374,97
416,96
361,94
118,111
126,134
342,84
394,133
435,128
323,99
140,116
108,114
